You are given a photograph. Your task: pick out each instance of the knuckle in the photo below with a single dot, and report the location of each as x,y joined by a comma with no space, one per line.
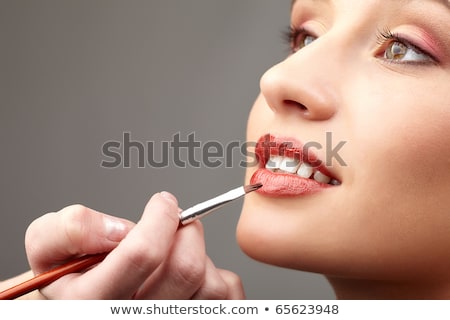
217,292
33,233
233,279
143,259
31,237
75,211
190,271
75,221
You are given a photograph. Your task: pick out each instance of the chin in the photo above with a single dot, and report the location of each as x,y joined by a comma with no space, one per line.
271,235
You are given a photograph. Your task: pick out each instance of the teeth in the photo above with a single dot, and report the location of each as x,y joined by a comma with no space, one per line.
293,166
320,177
334,182
274,163
289,165
305,170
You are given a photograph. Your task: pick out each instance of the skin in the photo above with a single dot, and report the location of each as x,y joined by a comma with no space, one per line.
385,231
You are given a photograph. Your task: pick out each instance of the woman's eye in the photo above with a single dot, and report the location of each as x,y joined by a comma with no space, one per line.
298,38
307,40
400,52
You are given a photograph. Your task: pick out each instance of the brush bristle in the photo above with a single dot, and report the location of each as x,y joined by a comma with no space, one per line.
252,187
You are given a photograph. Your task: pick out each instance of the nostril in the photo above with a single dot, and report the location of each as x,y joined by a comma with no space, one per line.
296,104
302,107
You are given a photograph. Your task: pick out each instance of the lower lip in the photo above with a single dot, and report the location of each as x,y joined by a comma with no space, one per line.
285,184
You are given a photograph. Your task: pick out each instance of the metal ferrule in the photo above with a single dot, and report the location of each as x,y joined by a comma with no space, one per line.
202,209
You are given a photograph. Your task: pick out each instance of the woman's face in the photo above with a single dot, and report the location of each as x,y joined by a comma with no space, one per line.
365,94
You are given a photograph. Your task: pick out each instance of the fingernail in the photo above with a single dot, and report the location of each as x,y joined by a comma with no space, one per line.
170,197
115,230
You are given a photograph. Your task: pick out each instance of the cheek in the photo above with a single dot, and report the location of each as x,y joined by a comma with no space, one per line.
401,181
399,136
404,142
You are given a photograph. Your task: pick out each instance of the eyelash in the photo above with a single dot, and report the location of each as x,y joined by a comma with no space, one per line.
291,35
385,36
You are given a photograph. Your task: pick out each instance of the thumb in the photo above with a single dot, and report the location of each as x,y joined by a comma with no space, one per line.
75,230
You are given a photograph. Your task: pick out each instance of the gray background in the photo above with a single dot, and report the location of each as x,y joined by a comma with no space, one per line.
75,74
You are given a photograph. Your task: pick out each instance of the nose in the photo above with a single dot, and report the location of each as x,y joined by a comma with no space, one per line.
305,82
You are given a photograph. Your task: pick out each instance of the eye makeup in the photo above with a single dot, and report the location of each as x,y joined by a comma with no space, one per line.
410,48
423,40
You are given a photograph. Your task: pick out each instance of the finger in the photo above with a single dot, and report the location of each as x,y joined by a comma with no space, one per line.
182,274
74,230
213,287
235,289
137,256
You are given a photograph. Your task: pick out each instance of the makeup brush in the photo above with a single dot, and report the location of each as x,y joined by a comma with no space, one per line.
77,265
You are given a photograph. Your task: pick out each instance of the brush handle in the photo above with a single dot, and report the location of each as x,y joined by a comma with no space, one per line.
48,277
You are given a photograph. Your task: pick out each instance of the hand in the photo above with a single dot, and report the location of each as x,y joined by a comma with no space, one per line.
153,259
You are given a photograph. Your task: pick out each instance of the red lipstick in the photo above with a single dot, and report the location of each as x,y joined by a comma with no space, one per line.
278,183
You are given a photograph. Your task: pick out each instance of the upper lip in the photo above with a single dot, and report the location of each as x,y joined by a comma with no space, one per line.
270,145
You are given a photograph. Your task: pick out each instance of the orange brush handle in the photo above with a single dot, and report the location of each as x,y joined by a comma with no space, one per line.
48,277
